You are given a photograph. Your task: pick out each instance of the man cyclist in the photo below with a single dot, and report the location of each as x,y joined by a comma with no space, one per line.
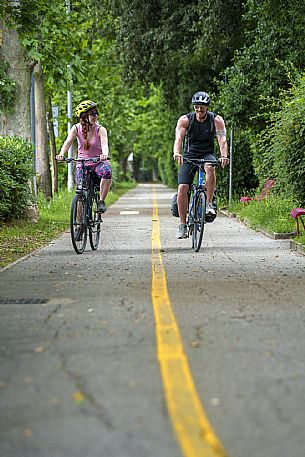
197,131
92,143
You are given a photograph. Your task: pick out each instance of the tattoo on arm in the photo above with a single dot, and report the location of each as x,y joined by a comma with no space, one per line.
221,133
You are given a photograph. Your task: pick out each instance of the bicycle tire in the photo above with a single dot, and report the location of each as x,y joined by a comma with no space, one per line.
95,220
78,224
199,221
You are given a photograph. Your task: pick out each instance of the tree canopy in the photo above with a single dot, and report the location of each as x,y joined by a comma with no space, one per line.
143,61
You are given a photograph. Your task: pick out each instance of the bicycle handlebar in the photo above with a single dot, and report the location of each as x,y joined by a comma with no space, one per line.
197,162
71,159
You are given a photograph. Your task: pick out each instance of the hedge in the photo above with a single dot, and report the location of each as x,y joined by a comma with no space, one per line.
16,170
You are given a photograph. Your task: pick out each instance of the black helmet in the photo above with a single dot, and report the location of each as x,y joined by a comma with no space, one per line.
200,98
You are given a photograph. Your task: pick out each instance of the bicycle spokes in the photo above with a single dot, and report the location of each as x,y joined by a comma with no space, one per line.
78,225
95,220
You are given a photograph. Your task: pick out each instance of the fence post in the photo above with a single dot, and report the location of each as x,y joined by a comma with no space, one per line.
70,114
230,165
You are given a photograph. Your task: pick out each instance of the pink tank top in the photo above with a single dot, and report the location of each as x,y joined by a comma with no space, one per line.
95,148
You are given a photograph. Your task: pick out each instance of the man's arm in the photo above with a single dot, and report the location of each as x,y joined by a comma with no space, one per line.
222,139
181,128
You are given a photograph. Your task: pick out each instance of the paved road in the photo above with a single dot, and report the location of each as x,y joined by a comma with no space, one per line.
79,375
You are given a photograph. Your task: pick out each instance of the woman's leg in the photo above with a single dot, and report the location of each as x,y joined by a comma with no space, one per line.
104,188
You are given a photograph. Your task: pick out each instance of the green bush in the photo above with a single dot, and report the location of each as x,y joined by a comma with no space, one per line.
280,148
16,169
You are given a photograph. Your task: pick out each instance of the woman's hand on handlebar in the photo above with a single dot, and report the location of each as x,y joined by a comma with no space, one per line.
60,156
103,157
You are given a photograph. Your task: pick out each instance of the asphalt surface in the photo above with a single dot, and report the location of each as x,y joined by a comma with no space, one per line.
79,374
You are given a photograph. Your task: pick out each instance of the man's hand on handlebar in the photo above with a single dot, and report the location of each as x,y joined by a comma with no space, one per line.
178,157
223,161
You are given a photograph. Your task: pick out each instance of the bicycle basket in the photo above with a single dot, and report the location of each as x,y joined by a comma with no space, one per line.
174,206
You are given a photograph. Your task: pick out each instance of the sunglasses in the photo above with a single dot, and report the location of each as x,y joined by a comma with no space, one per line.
93,113
200,107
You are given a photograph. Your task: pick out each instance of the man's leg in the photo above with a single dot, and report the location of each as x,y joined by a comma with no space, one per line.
182,200
210,182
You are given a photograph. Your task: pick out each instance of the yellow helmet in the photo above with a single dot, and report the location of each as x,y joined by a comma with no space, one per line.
84,106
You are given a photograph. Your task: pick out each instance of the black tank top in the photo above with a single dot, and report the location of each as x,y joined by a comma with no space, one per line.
199,139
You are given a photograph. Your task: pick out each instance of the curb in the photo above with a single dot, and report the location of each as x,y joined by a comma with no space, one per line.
293,245
298,247
29,254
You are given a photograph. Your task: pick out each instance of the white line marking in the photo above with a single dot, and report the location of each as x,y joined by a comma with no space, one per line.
125,213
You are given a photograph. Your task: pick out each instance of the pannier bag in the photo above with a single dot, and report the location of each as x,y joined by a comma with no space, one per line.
174,206
208,217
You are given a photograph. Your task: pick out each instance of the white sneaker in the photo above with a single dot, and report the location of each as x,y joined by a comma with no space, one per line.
209,209
182,231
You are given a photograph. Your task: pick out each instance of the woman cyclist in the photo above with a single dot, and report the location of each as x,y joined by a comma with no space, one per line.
92,143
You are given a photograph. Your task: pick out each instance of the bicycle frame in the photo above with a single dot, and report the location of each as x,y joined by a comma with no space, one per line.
87,181
194,190
196,217
84,216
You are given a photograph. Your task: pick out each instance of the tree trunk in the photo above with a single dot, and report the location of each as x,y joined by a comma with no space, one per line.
18,122
41,135
52,144
124,165
136,169
155,175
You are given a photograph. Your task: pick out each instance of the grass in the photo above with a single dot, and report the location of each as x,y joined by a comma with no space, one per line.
21,237
271,215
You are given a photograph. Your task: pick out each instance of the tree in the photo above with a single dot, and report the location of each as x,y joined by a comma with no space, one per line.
42,151
183,44
15,117
269,61
27,43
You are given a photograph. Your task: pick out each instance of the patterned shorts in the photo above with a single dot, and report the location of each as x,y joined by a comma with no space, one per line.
101,170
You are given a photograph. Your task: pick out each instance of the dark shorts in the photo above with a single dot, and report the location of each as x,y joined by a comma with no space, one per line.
101,170
188,170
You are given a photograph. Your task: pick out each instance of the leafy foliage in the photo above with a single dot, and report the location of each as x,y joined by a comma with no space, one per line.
16,169
7,87
281,146
142,62
173,43
270,59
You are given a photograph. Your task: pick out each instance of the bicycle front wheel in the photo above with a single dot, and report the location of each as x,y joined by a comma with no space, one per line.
95,220
78,225
199,220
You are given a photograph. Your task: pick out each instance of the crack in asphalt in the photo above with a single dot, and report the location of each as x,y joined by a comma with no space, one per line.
101,412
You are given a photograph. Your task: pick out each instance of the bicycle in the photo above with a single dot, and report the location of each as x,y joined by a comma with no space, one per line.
196,217
83,214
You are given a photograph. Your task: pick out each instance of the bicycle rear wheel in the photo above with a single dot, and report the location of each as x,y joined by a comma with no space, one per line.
78,225
95,220
199,221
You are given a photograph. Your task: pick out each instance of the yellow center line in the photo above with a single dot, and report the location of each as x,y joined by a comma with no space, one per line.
193,430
